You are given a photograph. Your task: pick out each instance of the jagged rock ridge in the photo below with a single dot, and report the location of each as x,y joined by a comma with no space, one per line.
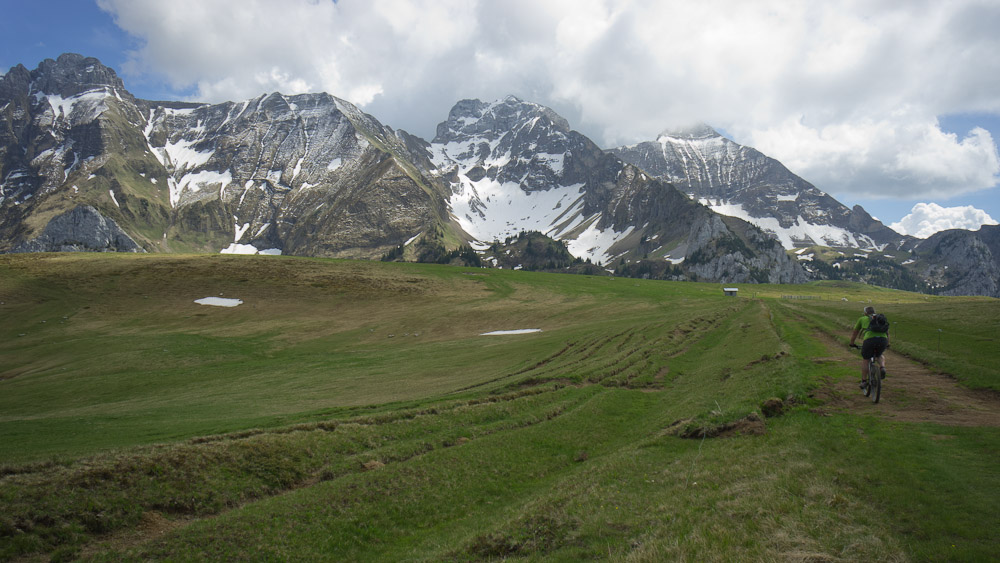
742,182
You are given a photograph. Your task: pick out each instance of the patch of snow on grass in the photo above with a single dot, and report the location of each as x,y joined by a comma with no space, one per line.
505,332
249,249
236,248
219,301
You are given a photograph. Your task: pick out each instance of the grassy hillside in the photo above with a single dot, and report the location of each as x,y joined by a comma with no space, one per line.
353,411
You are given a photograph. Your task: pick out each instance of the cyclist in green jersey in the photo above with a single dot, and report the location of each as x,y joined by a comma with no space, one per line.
873,344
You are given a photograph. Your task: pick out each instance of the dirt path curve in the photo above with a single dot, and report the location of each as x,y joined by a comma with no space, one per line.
910,392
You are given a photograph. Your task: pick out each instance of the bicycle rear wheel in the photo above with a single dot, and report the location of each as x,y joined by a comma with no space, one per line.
874,381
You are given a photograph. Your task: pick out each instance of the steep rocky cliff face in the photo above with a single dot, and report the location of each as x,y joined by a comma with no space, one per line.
725,248
81,229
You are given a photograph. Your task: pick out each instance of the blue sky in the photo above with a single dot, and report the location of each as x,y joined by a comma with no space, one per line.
884,104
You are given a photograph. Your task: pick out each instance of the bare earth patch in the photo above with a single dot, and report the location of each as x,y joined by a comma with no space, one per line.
152,526
910,392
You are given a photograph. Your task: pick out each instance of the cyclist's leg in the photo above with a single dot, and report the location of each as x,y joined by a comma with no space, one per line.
882,345
868,350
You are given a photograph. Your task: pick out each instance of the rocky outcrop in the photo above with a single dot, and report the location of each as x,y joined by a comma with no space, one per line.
963,262
727,250
82,229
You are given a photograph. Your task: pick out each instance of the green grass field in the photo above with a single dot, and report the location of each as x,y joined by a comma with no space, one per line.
352,410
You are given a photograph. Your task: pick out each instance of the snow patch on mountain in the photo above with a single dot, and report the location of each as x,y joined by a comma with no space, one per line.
196,181
801,233
595,244
490,210
79,109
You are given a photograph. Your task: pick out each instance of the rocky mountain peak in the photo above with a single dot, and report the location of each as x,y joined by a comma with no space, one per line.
15,82
739,181
71,74
691,132
491,120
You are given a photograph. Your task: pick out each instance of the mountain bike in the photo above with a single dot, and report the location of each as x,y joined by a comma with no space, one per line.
873,387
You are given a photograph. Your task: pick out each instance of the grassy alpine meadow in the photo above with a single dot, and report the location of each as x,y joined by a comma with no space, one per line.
355,411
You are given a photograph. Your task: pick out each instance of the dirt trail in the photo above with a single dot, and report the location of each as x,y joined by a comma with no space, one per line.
910,392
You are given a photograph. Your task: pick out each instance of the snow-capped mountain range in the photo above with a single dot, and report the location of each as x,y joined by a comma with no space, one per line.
84,165
518,166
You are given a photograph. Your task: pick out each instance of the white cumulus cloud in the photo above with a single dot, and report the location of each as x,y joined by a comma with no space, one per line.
899,155
847,93
925,219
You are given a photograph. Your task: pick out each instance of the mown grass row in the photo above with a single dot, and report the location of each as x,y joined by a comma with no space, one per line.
48,505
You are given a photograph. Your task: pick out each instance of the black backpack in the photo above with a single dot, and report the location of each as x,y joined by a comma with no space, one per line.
879,324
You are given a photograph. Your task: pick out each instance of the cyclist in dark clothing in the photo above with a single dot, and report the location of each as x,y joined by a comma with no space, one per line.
873,344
